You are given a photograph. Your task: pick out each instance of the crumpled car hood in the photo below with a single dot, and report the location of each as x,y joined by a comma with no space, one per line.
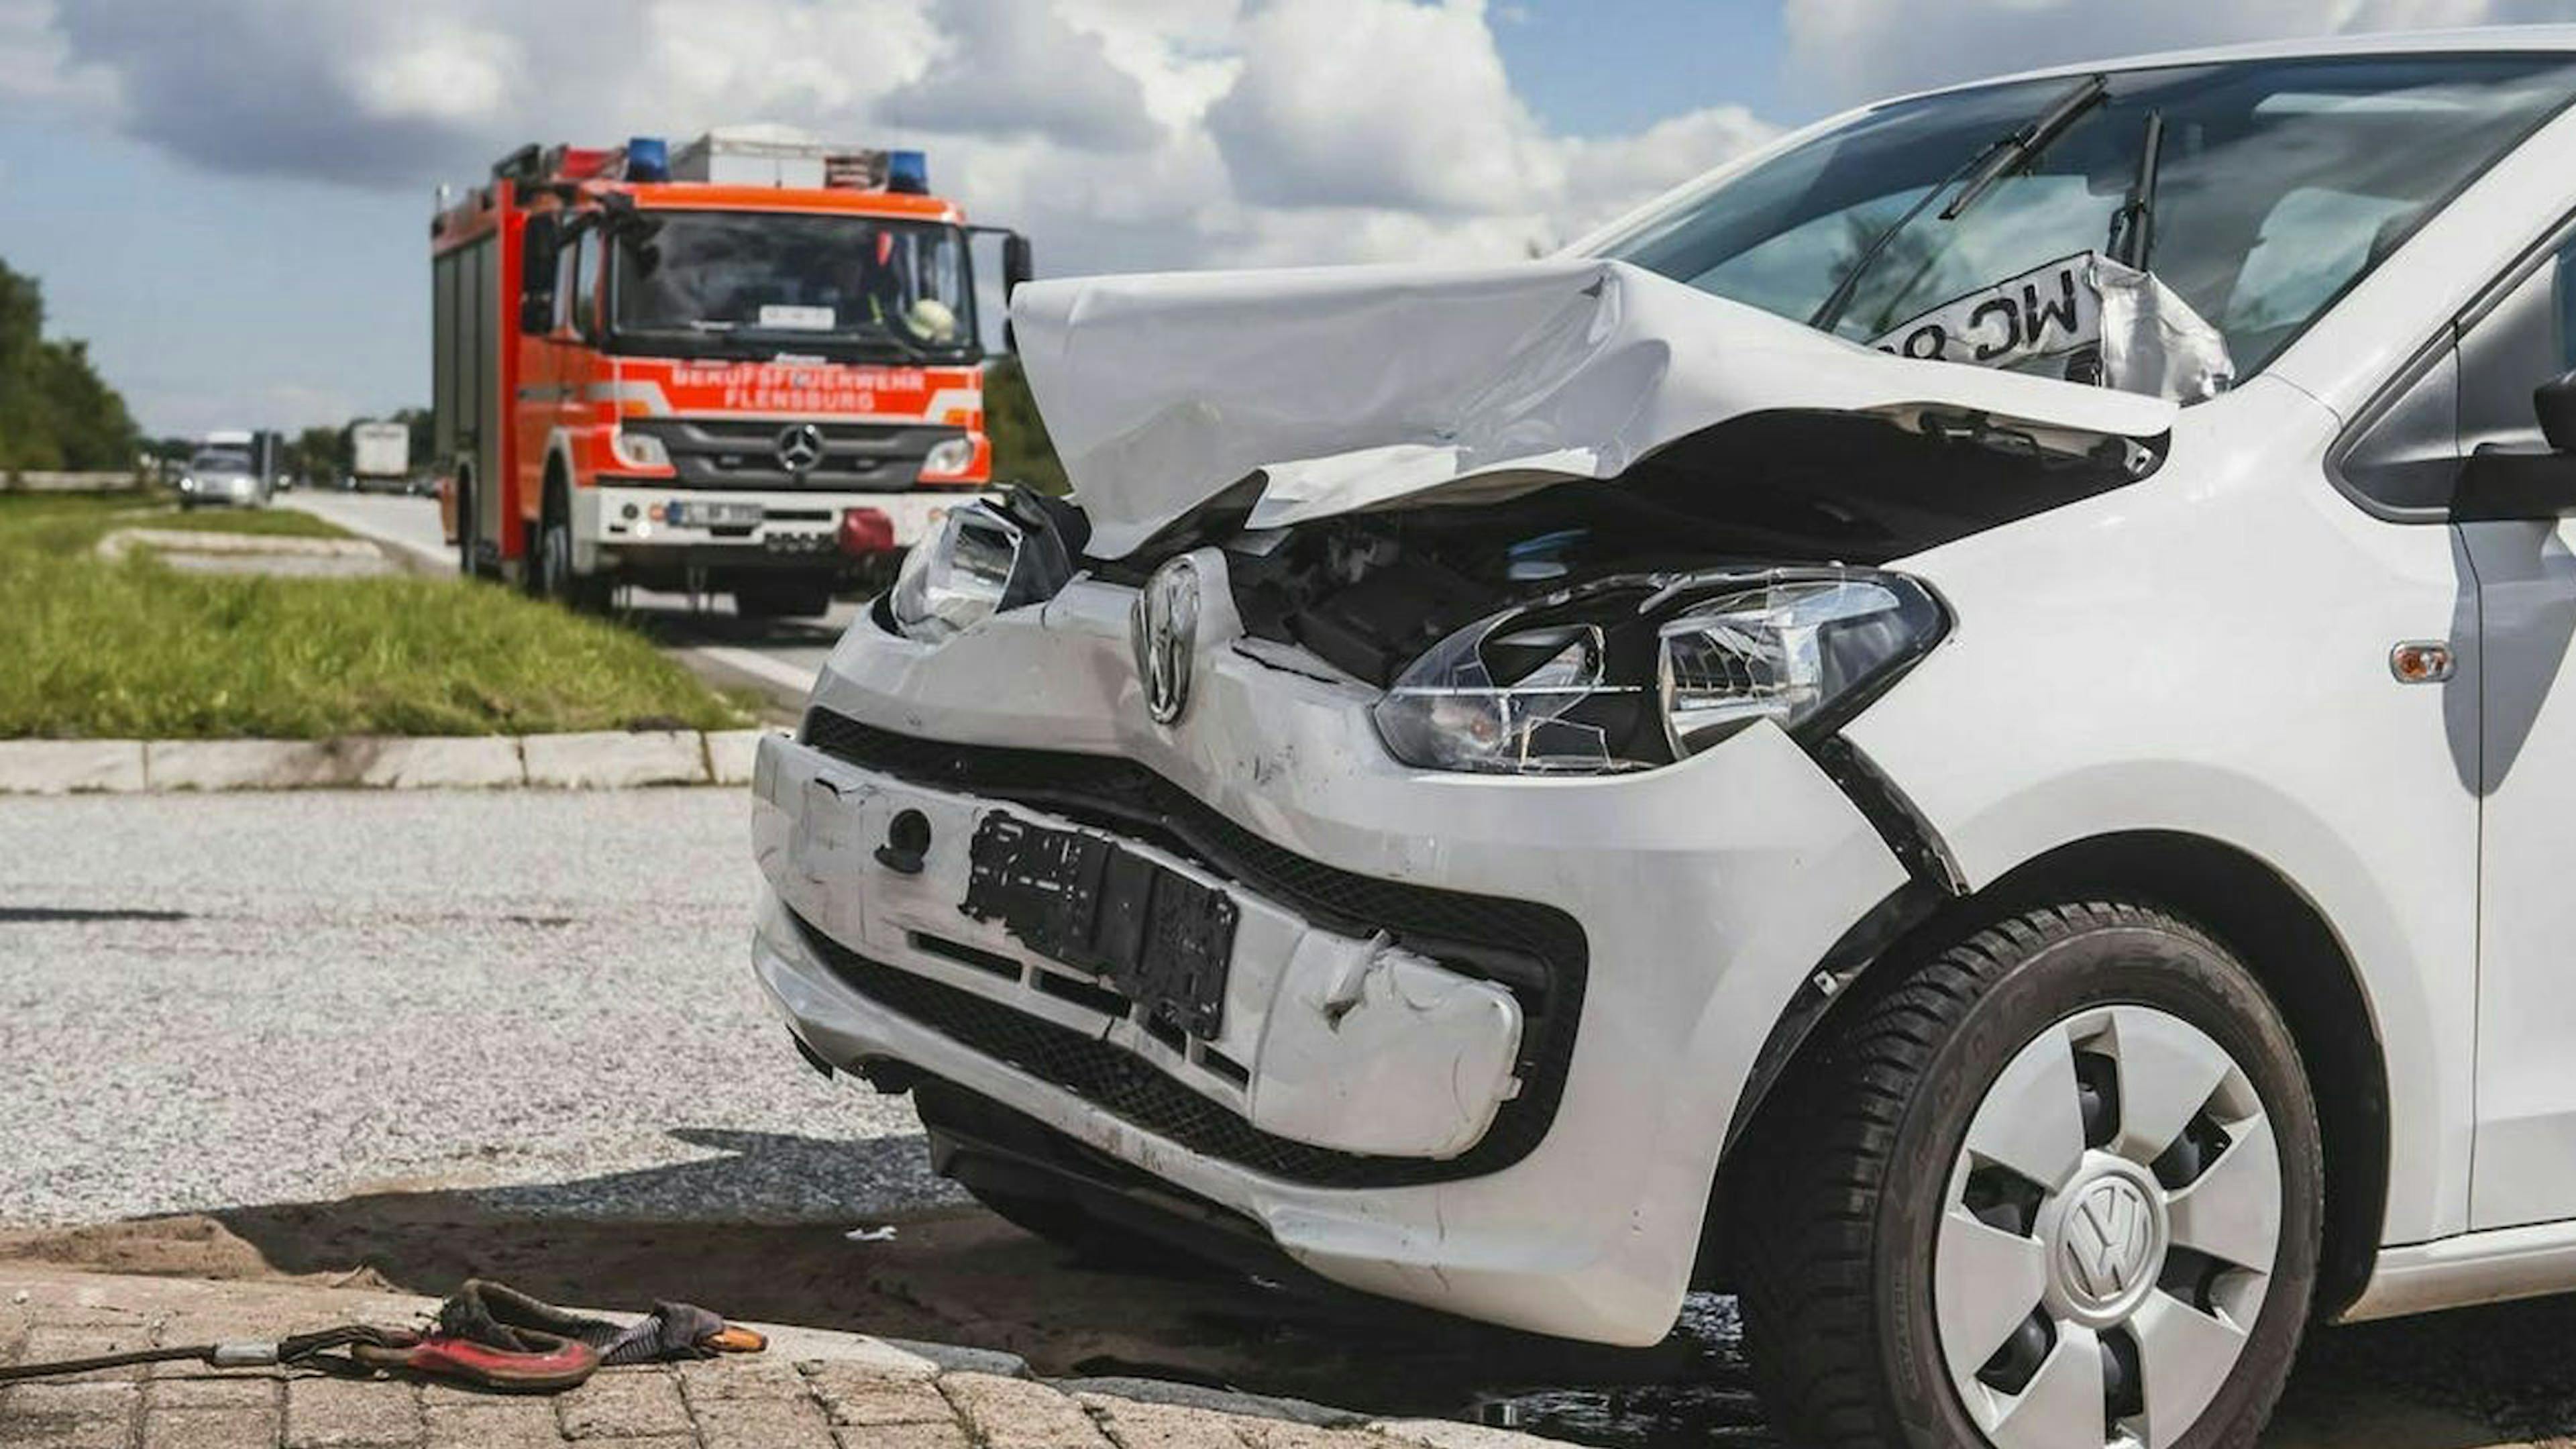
1350,388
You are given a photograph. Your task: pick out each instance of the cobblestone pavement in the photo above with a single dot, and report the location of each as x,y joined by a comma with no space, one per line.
811,1390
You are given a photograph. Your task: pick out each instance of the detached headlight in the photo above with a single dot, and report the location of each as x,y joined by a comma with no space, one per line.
639,450
1633,673
959,576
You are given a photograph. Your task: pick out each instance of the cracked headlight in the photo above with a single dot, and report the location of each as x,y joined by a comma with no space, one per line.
957,577
1628,674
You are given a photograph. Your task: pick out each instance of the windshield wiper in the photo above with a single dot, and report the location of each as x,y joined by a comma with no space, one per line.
1981,171
2034,138
2133,226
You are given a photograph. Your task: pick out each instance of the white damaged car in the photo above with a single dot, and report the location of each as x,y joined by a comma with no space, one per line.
1963,729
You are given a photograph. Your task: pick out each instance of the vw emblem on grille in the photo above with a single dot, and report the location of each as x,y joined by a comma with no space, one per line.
1163,626
800,447
2109,1237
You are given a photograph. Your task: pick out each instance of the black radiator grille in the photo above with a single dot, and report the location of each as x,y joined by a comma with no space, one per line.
1537,951
743,453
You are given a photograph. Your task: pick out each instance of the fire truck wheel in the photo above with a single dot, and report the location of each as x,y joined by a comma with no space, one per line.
783,599
465,525
550,571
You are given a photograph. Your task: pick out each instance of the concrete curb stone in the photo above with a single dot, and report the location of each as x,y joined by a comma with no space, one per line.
462,762
1176,1394
65,767
609,760
730,755
605,760
173,540
356,761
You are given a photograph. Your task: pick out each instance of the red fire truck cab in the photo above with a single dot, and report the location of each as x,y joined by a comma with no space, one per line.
752,365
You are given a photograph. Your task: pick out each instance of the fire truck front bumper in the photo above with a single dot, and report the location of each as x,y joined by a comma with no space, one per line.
649,524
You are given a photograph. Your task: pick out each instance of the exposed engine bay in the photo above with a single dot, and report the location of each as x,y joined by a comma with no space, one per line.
1368,593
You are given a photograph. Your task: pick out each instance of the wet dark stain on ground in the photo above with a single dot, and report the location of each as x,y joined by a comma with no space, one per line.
965,1277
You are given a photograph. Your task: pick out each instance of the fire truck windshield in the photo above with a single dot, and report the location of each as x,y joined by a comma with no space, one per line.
733,283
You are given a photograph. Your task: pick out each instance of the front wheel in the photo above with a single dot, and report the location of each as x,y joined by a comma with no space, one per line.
2060,1187
550,566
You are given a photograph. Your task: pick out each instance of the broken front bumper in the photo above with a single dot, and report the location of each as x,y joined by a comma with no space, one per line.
1347,1045
628,519
1691,904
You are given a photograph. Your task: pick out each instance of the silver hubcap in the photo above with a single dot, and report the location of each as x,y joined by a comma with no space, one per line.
2108,1235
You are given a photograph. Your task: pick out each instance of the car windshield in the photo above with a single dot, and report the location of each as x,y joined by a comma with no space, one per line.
223,462
744,283
2274,186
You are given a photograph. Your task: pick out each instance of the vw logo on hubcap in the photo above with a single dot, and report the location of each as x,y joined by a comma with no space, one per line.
2110,1236
800,447
1163,627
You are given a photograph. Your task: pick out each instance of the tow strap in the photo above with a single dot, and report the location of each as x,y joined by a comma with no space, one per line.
490,1335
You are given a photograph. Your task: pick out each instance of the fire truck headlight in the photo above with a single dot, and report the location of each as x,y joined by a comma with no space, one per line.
639,450
948,458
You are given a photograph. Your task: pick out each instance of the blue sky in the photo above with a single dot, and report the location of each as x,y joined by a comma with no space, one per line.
1611,66
229,200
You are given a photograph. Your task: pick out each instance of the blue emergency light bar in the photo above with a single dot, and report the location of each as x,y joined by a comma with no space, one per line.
648,158
908,171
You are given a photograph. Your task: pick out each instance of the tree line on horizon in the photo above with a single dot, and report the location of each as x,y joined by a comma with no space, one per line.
56,412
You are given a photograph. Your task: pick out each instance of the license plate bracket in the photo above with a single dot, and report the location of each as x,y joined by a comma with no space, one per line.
1161,937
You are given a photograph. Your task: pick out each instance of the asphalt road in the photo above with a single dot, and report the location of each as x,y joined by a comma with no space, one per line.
212,1001
777,656
428,1035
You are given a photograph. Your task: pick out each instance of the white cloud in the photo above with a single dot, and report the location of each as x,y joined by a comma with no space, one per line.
38,77
1013,70
1120,133
1380,103
1856,50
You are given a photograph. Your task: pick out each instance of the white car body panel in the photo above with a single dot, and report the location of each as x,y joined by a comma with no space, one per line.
2205,652
1681,877
1351,388
2203,728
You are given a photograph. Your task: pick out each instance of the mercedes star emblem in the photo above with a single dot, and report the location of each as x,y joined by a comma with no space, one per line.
800,447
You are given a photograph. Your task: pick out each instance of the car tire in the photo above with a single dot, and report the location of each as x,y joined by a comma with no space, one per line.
465,523
1992,1128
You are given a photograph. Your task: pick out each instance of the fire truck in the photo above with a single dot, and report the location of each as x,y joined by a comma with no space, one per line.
748,365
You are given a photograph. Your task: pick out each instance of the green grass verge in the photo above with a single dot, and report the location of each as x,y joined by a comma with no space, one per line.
133,648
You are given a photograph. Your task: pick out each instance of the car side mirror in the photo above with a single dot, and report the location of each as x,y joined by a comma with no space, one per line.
538,243
2496,484
1019,263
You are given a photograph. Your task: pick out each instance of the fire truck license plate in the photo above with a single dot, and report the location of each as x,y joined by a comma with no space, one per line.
1163,938
716,515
